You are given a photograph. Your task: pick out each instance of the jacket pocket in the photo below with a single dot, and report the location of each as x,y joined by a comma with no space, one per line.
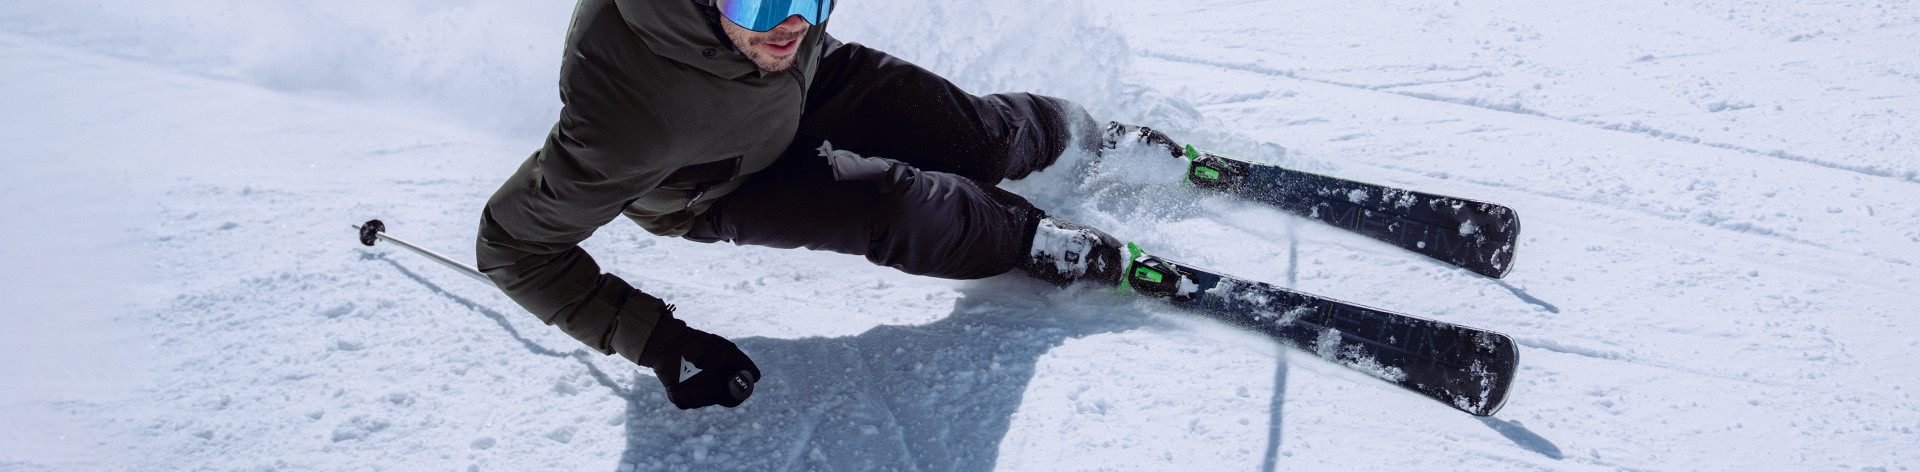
697,178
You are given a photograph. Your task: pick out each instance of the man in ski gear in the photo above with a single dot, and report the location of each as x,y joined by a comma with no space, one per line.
743,121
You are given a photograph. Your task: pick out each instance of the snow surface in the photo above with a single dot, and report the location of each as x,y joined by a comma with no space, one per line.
1721,204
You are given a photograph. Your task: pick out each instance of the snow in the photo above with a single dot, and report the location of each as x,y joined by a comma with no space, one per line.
1328,346
1721,203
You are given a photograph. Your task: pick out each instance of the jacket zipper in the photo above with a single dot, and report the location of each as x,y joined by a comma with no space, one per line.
698,191
801,79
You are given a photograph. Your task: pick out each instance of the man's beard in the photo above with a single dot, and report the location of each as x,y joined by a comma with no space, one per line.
770,63
760,58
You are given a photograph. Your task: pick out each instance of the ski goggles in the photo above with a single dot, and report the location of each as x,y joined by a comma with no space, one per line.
763,15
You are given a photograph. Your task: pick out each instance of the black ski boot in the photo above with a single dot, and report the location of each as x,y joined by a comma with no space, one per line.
1118,135
1065,252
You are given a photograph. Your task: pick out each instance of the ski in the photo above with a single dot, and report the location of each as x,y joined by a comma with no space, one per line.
1466,368
1474,235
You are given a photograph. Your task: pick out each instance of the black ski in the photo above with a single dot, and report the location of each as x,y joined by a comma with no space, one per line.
1469,369
1474,235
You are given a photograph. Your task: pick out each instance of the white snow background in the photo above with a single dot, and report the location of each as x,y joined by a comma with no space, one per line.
1720,203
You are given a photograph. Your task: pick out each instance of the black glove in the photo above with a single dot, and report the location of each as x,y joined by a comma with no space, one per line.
697,367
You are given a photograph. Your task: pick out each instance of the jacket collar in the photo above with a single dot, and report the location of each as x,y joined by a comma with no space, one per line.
682,31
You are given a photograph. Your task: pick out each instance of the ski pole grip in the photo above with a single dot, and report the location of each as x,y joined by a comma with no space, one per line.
741,385
370,232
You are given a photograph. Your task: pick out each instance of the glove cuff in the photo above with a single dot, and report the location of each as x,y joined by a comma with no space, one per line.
663,341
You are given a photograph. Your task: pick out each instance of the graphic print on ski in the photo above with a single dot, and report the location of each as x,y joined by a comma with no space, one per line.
1466,368
1474,235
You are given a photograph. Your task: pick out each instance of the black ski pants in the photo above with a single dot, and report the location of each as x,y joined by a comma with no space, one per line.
913,184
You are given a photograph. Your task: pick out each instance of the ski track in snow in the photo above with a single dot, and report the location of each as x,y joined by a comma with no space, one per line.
1631,128
1716,271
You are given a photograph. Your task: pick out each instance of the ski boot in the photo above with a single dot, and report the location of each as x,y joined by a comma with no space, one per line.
1117,135
1064,252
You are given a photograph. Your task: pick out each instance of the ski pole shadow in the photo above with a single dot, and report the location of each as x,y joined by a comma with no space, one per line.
938,396
578,355
1523,437
1270,461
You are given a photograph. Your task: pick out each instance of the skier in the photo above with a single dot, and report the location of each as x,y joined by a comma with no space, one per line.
743,121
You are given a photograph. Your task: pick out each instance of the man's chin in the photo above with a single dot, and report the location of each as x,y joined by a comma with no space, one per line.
771,64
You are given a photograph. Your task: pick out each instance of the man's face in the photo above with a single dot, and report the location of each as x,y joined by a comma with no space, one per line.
773,50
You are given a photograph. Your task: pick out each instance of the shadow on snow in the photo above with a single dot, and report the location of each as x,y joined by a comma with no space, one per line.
938,396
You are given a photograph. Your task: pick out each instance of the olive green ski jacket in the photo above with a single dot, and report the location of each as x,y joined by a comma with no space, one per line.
661,117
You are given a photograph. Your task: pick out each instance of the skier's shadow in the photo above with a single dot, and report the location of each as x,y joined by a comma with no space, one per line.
929,397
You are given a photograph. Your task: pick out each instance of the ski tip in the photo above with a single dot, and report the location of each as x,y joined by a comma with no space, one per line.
1507,363
370,231
1513,243
1491,408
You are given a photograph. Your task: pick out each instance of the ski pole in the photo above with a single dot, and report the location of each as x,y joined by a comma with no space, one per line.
741,385
374,230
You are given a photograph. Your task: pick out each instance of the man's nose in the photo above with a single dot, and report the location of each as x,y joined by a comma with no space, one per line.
792,24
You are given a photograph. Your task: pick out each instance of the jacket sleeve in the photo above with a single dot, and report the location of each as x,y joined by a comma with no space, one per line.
599,157
528,246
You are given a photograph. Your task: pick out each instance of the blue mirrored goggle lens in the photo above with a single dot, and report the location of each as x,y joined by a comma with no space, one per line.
763,15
